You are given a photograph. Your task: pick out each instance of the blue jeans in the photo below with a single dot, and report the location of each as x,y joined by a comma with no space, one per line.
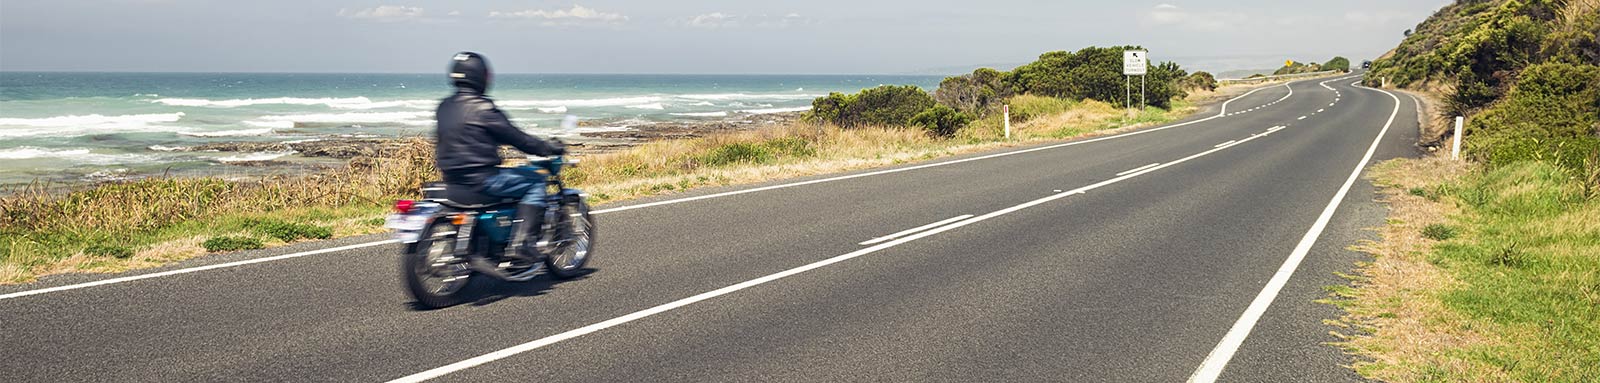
525,184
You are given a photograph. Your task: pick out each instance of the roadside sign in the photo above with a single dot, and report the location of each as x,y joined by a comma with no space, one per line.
1135,63
1288,63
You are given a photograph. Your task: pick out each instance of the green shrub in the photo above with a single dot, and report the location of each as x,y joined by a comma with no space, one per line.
942,121
287,231
978,93
1094,73
231,243
1199,81
888,105
108,250
1338,63
1551,115
738,152
1439,232
758,152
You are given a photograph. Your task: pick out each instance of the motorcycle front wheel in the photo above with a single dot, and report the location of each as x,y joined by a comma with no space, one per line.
572,239
434,276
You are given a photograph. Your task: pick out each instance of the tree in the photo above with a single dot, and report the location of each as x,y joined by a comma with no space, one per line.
975,93
884,105
941,120
1338,63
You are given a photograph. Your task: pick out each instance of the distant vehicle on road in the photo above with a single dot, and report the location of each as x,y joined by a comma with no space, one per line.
1366,64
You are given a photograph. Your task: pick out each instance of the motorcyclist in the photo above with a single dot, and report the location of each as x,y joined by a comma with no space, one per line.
470,132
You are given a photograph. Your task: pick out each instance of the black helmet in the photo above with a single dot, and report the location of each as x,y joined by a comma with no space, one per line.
470,70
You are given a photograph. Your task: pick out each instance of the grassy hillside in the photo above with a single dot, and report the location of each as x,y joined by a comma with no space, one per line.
1489,269
1525,73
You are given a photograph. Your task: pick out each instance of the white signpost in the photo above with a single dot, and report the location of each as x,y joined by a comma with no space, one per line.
1134,63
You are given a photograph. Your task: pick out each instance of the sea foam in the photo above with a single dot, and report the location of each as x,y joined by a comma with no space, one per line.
263,156
408,118
76,125
598,102
71,155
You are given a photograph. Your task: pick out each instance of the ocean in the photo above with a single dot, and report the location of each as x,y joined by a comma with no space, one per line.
65,127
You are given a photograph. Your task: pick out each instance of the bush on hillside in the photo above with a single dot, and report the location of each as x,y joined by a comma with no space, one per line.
942,120
978,93
1198,81
1338,63
1298,68
1553,114
1094,73
884,105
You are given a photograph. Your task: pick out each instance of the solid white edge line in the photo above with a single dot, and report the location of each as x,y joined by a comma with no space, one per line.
1125,172
546,341
1219,114
915,229
1219,357
192,269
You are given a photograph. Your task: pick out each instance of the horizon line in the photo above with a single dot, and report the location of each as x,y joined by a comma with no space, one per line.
498,73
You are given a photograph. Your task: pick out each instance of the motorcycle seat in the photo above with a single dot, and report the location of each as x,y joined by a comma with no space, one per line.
468,199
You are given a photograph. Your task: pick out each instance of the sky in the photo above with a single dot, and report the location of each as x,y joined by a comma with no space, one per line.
703,37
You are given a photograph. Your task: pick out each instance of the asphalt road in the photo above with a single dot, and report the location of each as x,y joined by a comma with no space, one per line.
1067,271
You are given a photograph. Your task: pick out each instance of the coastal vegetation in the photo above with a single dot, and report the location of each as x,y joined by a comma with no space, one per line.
118,226
1489,269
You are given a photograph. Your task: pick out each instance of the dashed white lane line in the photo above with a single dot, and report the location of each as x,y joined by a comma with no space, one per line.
1225,144
1320,110
1137,169
914,230
1219,357
1301,118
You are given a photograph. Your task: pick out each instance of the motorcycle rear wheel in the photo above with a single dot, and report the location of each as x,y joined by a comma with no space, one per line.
433,275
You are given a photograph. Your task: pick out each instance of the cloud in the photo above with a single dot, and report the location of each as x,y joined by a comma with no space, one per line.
453,13
728,20
385,13
578,14
1175,16
712,20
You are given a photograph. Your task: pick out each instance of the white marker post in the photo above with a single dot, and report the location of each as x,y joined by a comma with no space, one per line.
1007,109
1455,150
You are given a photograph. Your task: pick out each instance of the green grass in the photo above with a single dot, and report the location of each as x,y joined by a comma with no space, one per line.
1529,260
1439,232
231,243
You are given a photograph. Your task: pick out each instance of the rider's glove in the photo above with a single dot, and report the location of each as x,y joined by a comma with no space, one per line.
558,148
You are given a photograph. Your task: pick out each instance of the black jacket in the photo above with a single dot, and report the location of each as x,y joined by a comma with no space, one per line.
471,130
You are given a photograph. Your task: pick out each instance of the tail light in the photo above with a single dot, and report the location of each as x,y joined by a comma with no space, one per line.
404,206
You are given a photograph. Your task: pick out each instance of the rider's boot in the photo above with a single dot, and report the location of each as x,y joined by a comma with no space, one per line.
530,219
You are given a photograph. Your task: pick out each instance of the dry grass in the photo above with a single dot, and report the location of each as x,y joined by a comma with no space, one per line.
1402,325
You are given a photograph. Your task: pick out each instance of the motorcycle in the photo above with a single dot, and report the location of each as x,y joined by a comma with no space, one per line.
448,243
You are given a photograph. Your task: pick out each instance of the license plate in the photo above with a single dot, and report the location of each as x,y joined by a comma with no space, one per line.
403,222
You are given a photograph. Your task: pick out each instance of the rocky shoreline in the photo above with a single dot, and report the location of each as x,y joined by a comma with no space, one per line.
585,143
